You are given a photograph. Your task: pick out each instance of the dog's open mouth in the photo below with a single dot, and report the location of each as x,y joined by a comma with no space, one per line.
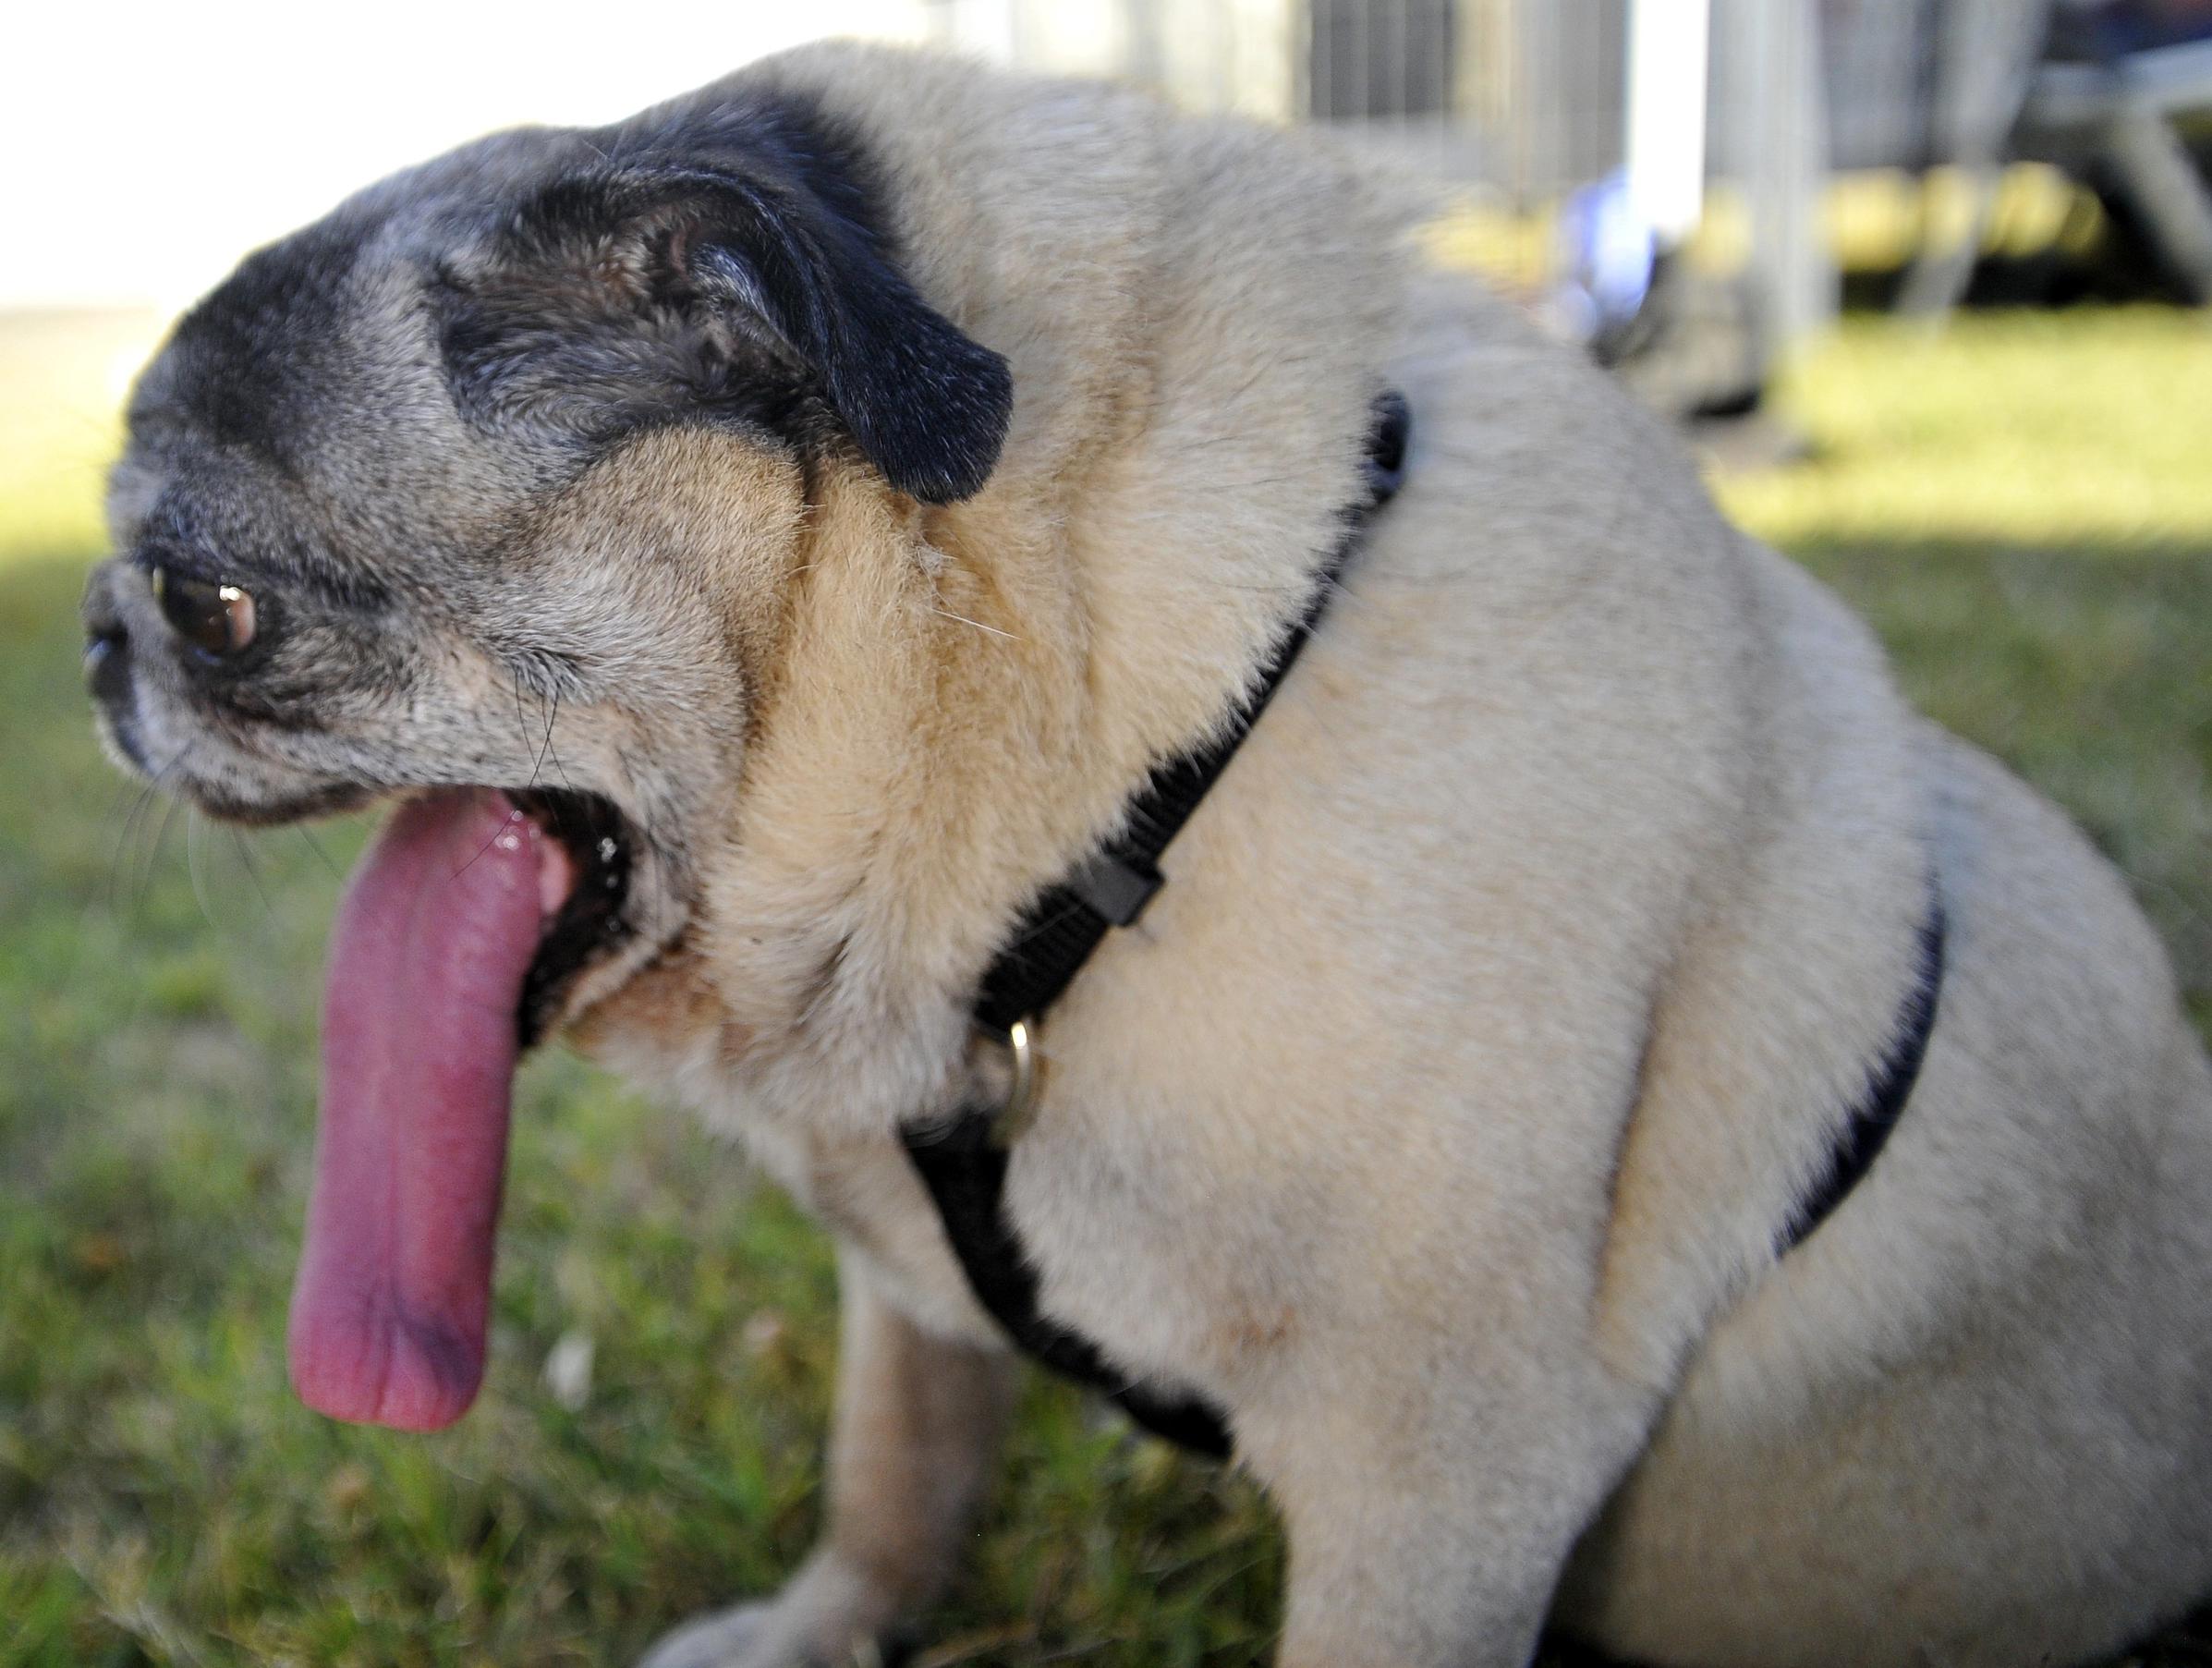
461,936
591,921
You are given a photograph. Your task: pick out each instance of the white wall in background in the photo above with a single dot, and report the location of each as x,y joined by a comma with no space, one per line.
143,148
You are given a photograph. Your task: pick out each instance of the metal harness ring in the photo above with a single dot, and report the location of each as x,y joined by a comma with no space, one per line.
1009,1122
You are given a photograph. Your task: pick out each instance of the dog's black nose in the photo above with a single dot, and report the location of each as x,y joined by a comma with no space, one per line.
106,646
107,665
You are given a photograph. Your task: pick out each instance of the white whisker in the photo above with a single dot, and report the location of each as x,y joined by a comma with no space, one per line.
978,624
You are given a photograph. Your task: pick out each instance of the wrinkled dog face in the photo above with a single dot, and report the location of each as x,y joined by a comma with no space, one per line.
414,498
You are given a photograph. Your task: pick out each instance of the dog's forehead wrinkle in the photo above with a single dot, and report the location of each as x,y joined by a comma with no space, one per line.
719,261
250,363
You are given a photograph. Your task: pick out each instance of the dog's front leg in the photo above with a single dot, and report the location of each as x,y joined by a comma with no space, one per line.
917,1429
1430,1529
1389,1582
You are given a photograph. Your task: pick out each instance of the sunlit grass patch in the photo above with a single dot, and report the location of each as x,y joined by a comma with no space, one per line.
2088,430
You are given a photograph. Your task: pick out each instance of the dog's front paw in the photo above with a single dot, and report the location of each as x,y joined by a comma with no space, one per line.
828,1617
740,1637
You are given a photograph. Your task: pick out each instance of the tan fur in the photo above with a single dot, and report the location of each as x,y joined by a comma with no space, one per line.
1442,1114
1440,1118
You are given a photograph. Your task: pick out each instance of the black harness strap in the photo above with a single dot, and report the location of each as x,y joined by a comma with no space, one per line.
1887,1089
1111,888
962,1160
964,1165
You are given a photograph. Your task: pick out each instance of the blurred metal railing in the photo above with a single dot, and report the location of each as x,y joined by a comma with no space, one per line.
1523,104
1521,96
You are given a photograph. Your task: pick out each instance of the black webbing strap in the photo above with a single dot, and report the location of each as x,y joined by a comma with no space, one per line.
1111,889
964,1165
1888,1089
961,1159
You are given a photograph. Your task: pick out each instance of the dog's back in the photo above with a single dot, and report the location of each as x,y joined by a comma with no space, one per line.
1513,986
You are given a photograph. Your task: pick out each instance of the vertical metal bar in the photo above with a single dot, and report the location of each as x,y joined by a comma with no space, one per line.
1356,52
1321,22
1398,91
1667,57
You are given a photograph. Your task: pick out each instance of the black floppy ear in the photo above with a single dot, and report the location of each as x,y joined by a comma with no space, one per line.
927,404
664,291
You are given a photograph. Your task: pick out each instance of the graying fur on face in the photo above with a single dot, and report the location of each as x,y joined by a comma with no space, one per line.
373,426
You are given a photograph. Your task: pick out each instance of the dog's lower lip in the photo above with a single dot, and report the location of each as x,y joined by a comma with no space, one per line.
592,918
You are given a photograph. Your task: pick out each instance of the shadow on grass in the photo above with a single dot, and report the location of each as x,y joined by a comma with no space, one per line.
163,1499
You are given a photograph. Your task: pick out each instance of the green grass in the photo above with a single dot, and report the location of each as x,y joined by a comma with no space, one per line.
2021,507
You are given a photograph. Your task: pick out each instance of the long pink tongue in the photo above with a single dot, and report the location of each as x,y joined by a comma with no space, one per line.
436,934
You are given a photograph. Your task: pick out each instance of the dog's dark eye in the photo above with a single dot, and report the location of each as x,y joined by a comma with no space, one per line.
215,620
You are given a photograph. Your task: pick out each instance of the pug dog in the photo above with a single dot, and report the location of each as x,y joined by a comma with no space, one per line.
759,548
